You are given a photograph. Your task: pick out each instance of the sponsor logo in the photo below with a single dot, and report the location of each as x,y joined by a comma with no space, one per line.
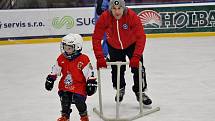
182,19
150,19
67,21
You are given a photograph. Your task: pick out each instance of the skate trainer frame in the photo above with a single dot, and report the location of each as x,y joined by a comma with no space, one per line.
117,118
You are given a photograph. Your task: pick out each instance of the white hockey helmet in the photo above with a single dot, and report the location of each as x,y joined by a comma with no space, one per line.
71,45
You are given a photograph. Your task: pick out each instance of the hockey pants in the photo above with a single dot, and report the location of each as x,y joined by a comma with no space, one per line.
68,98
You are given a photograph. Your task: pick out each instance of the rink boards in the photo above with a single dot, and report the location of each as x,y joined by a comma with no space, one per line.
49,25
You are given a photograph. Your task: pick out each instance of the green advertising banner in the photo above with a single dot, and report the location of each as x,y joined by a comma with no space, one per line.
178,19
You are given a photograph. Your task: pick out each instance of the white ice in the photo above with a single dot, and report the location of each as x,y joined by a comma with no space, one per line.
180,76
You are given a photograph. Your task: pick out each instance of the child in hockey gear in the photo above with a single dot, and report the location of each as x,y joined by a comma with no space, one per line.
125,38
77,80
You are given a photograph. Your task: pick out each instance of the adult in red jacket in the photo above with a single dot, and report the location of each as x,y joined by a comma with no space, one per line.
125,37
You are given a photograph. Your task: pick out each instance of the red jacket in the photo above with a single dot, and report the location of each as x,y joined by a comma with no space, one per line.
74,73
120,33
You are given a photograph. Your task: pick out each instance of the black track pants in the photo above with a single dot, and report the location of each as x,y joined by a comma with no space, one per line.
120,55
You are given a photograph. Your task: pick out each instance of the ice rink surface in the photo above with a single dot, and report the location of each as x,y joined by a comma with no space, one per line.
180,75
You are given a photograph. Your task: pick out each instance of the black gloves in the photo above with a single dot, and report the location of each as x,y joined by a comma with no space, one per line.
49,84
91,86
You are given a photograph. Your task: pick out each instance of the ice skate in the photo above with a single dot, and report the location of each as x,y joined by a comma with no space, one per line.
84,118
121,94
146,100
63,118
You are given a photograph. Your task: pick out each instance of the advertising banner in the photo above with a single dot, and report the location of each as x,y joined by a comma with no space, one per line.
75,20
156,19
177,19
46,22
18,23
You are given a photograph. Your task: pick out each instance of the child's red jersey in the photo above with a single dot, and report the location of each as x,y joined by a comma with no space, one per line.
74,73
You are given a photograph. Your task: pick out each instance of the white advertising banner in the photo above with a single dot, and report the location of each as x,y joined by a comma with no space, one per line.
46,22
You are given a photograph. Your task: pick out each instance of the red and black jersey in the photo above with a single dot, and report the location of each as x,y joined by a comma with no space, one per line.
74,73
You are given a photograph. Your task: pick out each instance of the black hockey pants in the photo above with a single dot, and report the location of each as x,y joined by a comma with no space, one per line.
120,55
68,98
